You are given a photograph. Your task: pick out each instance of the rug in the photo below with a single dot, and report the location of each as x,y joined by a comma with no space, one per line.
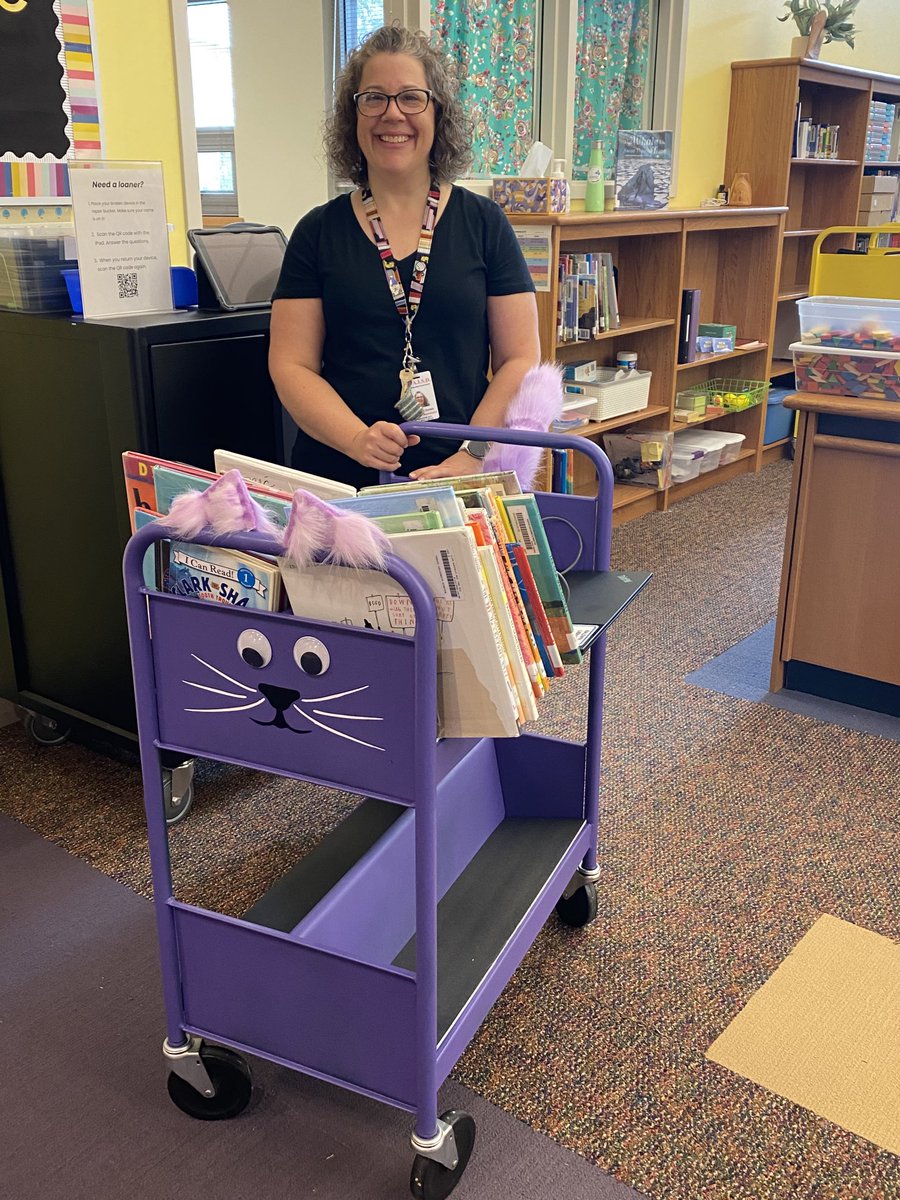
824,1030
743,672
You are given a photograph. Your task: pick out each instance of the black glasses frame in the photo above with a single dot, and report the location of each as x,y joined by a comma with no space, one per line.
427,92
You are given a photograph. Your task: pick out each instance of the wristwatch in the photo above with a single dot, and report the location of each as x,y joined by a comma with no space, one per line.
476,449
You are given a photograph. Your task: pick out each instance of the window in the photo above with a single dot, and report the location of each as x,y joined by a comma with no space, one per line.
356,19
209,33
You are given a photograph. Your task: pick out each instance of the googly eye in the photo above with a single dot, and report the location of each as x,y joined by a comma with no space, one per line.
311,656
254,648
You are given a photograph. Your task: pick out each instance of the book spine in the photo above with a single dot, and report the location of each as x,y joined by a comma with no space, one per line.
537,613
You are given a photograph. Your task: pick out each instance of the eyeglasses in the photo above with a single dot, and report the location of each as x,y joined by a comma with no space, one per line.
409,101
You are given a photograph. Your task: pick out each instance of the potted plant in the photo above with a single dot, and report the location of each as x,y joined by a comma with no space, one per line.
820,21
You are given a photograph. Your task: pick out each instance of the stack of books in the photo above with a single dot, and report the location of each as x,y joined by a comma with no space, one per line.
813,140
477,541
587,304
882,132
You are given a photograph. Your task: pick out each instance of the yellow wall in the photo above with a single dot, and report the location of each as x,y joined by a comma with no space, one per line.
723,31
138,98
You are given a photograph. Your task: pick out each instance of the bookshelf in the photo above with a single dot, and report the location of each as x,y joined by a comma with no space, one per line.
818,192
732,256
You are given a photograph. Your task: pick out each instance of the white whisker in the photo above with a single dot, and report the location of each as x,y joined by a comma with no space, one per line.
217,691
237,708
344,716
336,732
336,696
236,682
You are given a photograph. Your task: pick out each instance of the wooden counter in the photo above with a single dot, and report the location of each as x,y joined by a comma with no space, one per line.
838,632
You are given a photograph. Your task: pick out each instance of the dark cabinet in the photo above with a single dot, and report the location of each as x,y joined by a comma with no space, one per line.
74,395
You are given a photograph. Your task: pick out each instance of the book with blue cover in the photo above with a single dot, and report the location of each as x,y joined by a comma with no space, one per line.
643,168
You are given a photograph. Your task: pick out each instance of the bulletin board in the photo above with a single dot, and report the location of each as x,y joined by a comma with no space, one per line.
49,107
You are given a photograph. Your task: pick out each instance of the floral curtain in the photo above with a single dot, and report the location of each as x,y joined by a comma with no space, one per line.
492,41
611,59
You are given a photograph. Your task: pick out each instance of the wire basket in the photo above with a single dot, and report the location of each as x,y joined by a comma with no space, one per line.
734,395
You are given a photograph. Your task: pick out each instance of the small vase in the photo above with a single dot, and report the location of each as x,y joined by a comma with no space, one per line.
740,194
799,46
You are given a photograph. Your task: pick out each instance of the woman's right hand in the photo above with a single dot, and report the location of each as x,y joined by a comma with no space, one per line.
380,446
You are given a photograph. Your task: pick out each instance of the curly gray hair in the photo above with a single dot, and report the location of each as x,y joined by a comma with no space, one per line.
451,153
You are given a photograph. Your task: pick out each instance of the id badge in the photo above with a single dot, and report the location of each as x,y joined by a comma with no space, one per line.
419,403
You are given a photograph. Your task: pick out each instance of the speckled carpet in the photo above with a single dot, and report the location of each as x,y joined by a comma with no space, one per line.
727,828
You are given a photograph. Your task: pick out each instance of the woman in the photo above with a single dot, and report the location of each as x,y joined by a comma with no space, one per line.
346,342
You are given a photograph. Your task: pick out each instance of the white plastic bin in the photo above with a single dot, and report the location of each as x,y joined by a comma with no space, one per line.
711,443
733,446
616,392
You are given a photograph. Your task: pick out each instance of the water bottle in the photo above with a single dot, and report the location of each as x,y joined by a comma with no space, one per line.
593,192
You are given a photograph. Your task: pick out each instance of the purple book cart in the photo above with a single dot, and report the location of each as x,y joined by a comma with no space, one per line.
373,961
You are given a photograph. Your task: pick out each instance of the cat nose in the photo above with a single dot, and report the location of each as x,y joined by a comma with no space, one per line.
278,697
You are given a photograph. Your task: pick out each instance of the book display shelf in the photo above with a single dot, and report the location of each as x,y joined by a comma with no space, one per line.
774,95
732,257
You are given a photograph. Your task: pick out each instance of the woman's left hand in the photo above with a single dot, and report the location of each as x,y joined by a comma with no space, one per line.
459,463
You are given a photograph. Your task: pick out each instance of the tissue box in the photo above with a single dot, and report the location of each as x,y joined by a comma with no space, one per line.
583,369
541,195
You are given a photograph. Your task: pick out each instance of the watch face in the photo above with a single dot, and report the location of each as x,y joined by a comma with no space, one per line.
476,449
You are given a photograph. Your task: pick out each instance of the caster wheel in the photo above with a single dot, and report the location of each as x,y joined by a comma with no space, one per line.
431,1180
580,908
230,1077
176,807
44,730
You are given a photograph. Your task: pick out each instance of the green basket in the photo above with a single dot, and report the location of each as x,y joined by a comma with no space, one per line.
754,389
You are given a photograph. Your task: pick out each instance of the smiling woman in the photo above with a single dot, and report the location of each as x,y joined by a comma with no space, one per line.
407,298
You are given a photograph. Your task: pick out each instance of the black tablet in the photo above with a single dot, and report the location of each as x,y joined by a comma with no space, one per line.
242,262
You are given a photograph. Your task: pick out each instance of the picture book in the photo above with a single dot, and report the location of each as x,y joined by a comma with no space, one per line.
278,478
171,481
525,520
222,576
139,487
505,482
439,499
154,559
474,695
643,168
407,522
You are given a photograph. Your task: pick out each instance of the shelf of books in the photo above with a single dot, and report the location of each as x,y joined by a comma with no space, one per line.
612,293
828,129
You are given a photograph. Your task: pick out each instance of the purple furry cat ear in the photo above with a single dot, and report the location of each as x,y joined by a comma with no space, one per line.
226,506
535,405
348,538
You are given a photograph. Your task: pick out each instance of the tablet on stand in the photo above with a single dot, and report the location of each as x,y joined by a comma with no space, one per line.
237,266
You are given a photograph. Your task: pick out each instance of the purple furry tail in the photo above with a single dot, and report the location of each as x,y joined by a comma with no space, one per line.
350,539
226,506
538,401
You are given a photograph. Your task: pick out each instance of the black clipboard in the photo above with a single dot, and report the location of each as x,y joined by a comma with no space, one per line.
237,265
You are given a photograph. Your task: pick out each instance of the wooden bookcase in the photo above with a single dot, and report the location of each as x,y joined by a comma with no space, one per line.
732,256
818,193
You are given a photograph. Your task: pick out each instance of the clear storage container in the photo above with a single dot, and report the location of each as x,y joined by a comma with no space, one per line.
686,464
710,442
833,372
850,322
733,444
32,259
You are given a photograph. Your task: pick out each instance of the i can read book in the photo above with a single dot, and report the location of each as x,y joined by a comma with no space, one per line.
643,168
222,576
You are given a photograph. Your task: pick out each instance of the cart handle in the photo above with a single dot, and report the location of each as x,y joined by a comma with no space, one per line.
520,437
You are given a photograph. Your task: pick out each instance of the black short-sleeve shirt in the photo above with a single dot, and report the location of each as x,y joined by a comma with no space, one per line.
474,254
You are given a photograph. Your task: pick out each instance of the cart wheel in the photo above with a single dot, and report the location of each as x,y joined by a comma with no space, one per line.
230,1077
431,1180
580,908
176,807
44,730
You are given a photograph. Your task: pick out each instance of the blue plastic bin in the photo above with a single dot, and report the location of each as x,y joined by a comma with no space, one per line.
779,420
184,288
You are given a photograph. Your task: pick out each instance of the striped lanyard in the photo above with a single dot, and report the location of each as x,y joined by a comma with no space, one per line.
406,308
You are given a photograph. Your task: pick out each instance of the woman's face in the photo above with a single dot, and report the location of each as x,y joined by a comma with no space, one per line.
396,143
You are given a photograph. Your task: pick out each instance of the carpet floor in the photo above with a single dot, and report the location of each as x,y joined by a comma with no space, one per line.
727,828
92,1119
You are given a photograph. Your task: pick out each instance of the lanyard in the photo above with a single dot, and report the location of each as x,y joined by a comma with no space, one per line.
406,308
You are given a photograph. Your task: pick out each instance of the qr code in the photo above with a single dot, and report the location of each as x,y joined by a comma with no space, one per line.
128,284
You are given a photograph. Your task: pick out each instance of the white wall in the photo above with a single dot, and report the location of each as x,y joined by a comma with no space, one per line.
278,61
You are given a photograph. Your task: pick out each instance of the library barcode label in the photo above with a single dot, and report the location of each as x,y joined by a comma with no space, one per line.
128,284
450,576
523,529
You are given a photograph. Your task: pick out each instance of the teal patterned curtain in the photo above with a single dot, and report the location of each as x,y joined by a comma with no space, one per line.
493,43
611,58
